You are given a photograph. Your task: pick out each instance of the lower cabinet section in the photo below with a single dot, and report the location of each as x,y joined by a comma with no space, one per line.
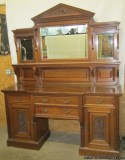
24,129
27,119
99,130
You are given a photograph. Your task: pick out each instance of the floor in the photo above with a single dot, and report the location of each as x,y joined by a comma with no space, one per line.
59,146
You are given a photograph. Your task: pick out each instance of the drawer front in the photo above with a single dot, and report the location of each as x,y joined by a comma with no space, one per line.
57,100
19,98
99,100
56,112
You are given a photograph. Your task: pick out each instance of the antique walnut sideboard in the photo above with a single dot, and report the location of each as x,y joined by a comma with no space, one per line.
67,68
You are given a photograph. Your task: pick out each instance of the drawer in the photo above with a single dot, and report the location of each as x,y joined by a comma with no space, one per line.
56,112
20,106
18,98
99,100
71,100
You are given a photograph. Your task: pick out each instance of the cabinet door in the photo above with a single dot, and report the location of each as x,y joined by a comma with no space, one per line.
25,45
106,41
99,127
20,121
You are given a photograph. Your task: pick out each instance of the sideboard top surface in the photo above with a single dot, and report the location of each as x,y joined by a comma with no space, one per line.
67,89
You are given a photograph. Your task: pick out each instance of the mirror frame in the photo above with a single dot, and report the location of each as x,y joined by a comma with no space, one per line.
63,15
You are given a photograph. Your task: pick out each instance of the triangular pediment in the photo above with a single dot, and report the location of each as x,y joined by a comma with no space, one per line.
62,10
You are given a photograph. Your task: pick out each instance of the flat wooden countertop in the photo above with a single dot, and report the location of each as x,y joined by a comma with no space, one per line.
59,89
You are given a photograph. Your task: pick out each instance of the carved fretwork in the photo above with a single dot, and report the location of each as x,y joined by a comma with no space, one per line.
59,12
22,119
99,128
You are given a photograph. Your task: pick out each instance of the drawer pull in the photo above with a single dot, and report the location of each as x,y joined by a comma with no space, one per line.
67,101
44,100
45,110
34,122
99,101
66,111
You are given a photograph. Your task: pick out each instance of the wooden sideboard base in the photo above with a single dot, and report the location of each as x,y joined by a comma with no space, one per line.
36,145
108,154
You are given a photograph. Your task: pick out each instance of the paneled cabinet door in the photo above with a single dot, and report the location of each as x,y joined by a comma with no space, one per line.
20,121
106,41
99,127
25,41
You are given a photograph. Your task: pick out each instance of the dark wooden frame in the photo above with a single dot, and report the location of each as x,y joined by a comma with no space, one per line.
4,42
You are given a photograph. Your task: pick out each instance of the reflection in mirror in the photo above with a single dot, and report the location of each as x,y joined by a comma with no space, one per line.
27,49
105,45
64,42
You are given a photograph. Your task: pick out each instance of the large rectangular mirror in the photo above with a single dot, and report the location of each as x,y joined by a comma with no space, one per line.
64,42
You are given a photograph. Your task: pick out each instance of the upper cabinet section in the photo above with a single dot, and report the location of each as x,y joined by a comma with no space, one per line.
66,33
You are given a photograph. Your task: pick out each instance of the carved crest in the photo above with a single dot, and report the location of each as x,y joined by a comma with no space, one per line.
62,10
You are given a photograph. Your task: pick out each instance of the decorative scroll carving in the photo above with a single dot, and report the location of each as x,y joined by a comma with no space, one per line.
22,119
99,128
60,11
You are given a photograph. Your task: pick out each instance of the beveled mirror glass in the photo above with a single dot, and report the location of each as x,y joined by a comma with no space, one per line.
27,51
105,45
64,42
